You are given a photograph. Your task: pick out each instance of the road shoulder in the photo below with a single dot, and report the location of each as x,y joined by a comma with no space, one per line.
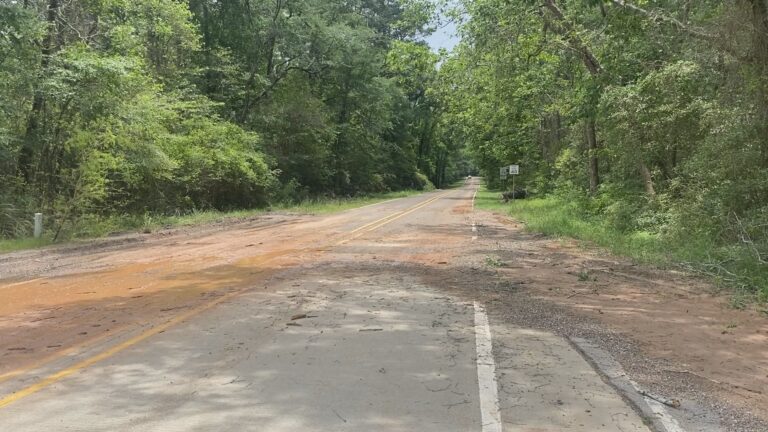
671,335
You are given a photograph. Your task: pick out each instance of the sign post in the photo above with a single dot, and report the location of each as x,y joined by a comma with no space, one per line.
513,170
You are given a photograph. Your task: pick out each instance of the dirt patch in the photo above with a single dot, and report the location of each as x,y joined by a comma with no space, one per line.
79,293
685,337
462,209
105,253
673,333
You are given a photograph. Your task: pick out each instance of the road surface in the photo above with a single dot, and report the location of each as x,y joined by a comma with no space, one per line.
366,320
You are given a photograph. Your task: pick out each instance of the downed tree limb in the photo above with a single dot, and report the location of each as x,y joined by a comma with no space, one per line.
674,403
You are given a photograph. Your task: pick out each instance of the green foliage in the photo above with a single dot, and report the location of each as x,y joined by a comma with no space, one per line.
731,265
493,262
422,183
111,110
680,123
218,165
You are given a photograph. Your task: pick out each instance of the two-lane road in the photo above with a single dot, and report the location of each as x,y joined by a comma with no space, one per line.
360,321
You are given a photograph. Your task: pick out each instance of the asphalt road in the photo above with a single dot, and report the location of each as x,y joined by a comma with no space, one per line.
349,322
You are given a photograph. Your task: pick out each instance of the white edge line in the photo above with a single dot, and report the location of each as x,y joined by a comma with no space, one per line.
490,415
474,225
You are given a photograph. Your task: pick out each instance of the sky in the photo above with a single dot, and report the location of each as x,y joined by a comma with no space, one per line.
443,37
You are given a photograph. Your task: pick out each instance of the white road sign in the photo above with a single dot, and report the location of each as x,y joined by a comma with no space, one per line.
513,169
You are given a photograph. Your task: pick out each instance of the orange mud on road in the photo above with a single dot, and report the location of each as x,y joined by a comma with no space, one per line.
90,295
682,337
46,316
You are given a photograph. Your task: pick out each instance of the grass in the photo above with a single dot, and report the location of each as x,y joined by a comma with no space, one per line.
726,265
96,227
554,217
24,243
493,262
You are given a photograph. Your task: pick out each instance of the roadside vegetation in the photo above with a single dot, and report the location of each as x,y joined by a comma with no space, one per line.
642,125
121,113
552,215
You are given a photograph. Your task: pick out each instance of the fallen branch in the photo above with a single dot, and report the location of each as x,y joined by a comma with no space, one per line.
674,403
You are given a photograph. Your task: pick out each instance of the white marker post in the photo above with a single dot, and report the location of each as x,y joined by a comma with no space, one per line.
38,225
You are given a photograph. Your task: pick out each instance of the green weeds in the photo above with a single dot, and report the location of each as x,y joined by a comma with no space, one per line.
729,266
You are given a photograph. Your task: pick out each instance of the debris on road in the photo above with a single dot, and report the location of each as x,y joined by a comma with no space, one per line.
674,403
302,316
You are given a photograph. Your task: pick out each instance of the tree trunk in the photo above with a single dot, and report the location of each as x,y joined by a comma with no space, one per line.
594,174
208,44
272,39
31,135
440,167
424,147
341,121
565,29
645,173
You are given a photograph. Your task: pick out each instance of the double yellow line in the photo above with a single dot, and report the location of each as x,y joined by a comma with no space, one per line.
386,220
58,376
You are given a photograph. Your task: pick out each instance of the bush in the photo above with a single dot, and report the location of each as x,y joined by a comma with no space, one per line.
421,182
218,165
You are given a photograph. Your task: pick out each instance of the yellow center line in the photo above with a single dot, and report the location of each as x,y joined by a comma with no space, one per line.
47,381
59,354
58,376
369,224
384,221
20,283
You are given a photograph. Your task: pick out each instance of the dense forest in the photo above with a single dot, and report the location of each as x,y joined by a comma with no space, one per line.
114,107
649,115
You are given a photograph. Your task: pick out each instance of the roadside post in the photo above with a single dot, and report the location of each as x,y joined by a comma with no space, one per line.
38,225
503,173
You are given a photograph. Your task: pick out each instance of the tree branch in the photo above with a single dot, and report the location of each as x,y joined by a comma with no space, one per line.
563,27
657,17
